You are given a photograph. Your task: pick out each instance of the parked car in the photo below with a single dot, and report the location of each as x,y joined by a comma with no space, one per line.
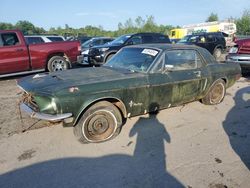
17,57
137,80
240,53
95,41
214,42
99,55
36,39
83,39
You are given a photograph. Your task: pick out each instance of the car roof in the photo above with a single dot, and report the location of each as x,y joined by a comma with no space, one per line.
162,46
206,33
94,38
143,33
43,36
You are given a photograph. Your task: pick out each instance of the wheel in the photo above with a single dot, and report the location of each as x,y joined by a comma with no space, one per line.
217,53
216,93
109,57
57,63
99,123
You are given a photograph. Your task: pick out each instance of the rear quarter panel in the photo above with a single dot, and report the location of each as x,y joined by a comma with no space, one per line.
39,53
226,71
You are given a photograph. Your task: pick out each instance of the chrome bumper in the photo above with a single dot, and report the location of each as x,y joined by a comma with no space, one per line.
48,117
242,59
82,60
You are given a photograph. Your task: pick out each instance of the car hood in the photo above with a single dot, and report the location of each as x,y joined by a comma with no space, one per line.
52,82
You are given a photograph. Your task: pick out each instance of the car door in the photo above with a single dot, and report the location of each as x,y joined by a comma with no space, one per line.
181,80
187,73
211,43
160,87
13,55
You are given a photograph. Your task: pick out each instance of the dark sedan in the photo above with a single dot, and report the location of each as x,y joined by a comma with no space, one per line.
101,54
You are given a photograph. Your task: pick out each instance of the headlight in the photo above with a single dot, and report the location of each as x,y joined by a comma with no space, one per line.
85,52
233,50
46,104
103,49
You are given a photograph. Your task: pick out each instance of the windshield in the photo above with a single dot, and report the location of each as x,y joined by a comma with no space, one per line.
87,43
133,59
120,40
189,38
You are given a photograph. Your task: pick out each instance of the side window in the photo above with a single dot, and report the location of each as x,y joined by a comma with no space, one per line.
34,40
135,40
148,39
97,42
9,39
162,39
210,38
176,60
173,34
1,41
106,40
202,39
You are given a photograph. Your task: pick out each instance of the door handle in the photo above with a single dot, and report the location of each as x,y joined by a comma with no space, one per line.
197,73
19,50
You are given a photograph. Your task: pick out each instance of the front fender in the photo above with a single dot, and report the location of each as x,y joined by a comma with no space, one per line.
111,52
121,106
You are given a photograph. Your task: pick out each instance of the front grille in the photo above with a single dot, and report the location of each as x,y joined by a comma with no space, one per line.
94,52
28,99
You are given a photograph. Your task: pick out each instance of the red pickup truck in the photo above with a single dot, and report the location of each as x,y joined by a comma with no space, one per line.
17,57
240,53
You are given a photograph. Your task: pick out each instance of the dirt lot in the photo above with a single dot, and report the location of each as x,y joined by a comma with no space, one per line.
187,146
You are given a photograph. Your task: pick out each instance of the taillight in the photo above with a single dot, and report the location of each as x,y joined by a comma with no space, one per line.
79,48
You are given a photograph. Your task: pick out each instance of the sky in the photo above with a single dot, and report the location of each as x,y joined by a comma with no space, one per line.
108,13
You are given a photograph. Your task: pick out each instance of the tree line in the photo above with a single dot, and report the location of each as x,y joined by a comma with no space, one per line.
139,24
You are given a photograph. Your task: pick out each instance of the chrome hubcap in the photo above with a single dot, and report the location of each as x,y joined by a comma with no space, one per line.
58,65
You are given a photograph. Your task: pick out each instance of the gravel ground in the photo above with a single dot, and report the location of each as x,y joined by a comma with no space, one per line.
188,146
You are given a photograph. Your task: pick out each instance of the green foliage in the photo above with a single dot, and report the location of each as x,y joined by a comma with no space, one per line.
142,25
243,23
25,26
5,26
129,26
139,24
212,17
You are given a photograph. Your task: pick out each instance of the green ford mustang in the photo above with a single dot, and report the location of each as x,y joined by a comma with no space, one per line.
139,79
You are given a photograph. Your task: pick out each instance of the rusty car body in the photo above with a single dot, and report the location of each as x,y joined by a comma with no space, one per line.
137,80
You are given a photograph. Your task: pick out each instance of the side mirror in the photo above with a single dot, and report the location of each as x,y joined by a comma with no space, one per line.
130,42
90,45
168,68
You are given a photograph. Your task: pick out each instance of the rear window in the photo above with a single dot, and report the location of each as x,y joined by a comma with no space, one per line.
207,56
34,40
55,39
